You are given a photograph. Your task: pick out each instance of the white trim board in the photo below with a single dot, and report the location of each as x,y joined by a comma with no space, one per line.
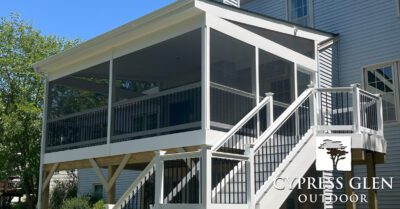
251,38
270,24
184,139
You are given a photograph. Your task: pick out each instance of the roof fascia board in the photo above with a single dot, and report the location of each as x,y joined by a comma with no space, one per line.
256,40
252,19
152,22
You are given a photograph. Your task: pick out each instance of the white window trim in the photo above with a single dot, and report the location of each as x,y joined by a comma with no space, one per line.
396,73
310,11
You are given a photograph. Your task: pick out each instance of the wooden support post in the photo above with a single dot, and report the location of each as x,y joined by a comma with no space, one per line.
113,174
45,187
371,172
111,187
44,202
349,191
49,176
97,169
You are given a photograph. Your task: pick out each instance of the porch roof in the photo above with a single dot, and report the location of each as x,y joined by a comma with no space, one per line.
170,15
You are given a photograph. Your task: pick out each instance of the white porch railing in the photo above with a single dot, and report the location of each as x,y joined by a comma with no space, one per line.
213,177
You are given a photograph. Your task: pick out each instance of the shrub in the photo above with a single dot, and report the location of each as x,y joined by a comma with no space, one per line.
76,203
98,205
19,205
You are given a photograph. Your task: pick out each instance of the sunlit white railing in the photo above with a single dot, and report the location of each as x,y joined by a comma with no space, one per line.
216,175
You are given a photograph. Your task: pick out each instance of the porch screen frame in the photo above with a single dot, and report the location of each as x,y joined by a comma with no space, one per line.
303,62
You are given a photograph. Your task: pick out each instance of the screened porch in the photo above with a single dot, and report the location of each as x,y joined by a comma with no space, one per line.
203,79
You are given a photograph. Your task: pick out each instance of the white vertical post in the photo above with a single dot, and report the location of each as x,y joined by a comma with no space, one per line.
314,108
380,115
256,85
205,76
206,177
111,93
249,151
43,141
159,187
296,93
356,107
270,108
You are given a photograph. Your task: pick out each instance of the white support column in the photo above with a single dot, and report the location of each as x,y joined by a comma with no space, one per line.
205,76
249,151
256,86
111,94
159,191
206,177
356,107
43,142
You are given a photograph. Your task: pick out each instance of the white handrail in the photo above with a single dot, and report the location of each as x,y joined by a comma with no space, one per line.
241,123
133,186
282,118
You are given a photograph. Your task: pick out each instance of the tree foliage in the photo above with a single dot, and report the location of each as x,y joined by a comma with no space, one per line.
21,100
76,203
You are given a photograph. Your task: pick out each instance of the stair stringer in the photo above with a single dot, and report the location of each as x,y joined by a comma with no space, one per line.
295,165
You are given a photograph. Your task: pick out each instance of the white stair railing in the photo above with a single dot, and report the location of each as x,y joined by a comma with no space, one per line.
130,199
236,138
278,141
242,177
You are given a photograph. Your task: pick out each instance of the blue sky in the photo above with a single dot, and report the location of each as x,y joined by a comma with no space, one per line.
83,19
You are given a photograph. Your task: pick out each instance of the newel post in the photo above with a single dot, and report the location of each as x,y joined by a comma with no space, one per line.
356,108
315,109
380,114
206,176
249,151
270,108
159,181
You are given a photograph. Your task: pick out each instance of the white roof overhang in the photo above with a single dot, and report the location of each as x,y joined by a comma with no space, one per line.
208,13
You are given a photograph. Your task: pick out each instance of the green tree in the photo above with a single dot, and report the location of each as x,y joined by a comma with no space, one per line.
21,100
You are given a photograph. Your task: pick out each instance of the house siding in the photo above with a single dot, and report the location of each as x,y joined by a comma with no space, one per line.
368,34
87,178
328,66
274,8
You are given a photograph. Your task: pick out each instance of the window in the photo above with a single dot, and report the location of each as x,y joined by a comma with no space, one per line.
300,12
97,191
398,7
383,79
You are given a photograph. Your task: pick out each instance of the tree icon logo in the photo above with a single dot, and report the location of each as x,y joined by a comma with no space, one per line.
336,150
